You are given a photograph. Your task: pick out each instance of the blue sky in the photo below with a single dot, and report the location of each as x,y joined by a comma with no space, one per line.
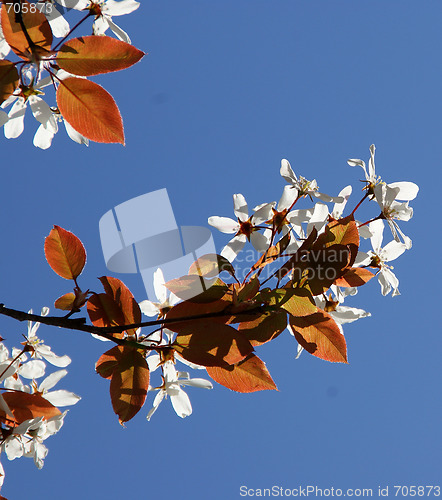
227,90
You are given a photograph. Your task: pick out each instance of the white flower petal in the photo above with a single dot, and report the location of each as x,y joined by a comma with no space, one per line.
120,8
158,285
197,382
32,369
407,190
52,379
287,172
392,251
100,26
15,125
149,308
181,403
232,249
224,224
240,207
40,109
116,30
62,398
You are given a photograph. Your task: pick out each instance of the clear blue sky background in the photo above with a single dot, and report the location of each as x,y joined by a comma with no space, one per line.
227,90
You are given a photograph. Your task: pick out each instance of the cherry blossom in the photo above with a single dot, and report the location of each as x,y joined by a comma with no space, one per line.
379,257
304,187
166,299
393,210
26,94
104,10
245,228
172,382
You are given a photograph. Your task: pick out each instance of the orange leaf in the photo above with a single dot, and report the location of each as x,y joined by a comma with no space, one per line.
296,301
341,232
249,375
354,276
105,312
65,253
65,302
190,308
320,335
108,361
196,288
36,25
264,328
129,382
93,55
123,297
8,79
25,406
90,110
210,265
208,343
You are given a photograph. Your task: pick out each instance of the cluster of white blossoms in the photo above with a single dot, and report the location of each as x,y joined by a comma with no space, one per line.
26,439
34,77
172,380
392,200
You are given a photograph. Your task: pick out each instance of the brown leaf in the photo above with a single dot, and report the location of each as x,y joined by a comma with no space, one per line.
93,55
8,79
65,302
116,307
25,406
90,110
264,328
105,312
354,276
249,375
210,265
320,335
208,343
129,373
36,25
65,253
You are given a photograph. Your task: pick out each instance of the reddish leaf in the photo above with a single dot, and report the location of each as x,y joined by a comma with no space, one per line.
249,375
341,232
65,253
264,328
296,301
108,361
320,335
25,406
189,308
248,290
90,110
36,25
8,79
115,307
105,312
92,55
354,276
122,296
65,302
208,343
129,373
321,267
210,265
272,253
197,289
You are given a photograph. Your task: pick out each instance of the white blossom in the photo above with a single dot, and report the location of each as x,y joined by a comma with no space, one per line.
245,228
379,257
171,387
